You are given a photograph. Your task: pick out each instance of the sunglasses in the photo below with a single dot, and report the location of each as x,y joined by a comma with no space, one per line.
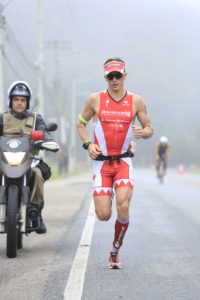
116,75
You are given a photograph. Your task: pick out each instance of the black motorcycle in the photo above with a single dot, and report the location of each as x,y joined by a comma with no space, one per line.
17,215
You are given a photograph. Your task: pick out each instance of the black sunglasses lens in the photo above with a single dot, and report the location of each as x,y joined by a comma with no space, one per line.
116,75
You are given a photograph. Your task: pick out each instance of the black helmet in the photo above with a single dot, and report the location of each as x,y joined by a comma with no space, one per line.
19,88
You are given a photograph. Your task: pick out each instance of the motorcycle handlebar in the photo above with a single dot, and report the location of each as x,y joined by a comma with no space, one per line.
46,145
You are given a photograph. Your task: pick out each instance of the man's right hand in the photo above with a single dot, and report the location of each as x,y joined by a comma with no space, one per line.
94,151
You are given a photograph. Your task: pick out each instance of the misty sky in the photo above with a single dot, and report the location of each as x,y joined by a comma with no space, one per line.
158,39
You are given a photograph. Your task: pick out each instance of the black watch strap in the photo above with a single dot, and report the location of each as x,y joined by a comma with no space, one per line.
86,145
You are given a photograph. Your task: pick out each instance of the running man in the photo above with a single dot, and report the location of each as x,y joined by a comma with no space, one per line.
113,111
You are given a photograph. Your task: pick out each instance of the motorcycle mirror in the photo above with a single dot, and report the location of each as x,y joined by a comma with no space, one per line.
51,127
51,145
37,135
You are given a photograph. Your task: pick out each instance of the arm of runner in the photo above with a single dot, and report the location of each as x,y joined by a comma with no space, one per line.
87,114
146,131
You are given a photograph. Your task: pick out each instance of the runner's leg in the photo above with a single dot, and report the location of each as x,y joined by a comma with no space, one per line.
102,189
165,164
103,206
158,163
123,184
123,197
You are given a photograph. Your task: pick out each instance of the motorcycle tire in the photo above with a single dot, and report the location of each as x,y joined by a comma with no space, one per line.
11,226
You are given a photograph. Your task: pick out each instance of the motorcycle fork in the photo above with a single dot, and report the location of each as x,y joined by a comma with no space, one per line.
23,209
2,205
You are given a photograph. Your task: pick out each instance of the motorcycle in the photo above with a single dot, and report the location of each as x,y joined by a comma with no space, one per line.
17,215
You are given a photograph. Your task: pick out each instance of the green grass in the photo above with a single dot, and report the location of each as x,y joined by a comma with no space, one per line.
194,182
194,170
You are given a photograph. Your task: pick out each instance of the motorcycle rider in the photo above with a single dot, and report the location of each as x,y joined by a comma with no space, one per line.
18,121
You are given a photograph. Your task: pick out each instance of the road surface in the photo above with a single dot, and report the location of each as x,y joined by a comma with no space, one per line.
160,254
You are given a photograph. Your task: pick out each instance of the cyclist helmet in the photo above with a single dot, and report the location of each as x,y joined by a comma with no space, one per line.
163,140
19,88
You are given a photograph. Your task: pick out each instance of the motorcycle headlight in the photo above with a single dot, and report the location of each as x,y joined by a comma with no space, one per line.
14,158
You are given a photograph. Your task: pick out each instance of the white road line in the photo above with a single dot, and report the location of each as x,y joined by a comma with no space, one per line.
74,287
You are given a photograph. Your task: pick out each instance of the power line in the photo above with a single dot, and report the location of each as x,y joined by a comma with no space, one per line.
74,22
7,3
20,25
11,67
2,28
60,12
19,49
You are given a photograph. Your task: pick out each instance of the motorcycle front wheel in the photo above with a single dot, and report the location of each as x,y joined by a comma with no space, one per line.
12,208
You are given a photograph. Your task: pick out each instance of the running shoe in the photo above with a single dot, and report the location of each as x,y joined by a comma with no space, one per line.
114,262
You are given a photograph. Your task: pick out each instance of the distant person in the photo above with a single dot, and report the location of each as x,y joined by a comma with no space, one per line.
114,111
163,154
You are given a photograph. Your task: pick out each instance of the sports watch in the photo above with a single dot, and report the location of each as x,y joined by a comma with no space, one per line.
86,144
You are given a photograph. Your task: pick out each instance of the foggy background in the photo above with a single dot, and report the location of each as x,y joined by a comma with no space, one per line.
60,46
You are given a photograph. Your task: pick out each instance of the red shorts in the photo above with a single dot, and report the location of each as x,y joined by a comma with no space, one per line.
107,176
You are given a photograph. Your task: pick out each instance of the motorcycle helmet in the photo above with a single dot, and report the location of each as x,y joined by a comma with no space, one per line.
19,88
163,140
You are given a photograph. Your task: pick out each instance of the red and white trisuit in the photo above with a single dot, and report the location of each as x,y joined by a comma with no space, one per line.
113,133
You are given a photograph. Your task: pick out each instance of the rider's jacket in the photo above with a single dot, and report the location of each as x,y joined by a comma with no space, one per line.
113,128
19,124
16,127
15,124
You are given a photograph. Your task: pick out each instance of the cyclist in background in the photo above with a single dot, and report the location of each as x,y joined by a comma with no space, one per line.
163,154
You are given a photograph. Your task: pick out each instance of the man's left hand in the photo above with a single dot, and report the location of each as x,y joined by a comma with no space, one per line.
138,132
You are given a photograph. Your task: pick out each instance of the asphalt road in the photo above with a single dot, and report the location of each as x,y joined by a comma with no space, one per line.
160,254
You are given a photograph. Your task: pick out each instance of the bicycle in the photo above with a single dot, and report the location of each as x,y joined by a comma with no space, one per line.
161,169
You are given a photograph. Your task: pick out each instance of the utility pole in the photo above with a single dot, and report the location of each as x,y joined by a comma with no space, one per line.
40,60
57,45
2,26
73,117
57,90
